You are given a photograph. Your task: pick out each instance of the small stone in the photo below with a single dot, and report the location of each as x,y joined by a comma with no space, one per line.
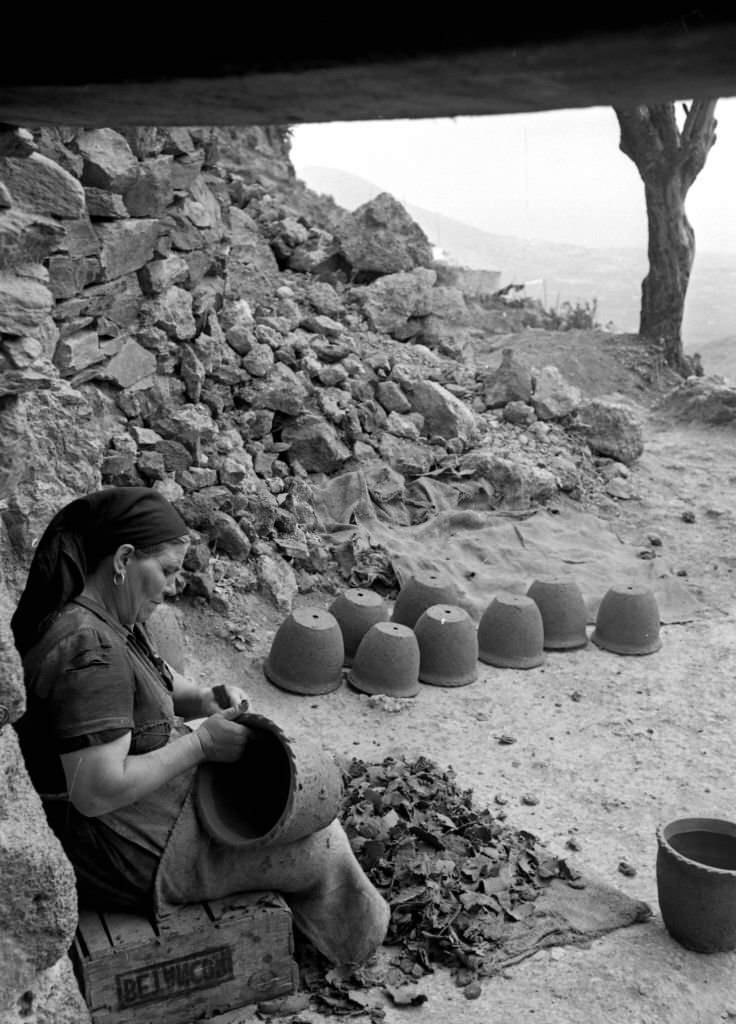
529,799
576,695
505,739
681,572
473,990
500,799
626,869
573,844
688,516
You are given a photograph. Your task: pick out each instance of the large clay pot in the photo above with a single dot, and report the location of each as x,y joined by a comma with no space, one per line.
628,621
356,611
283,788
563,610
307,653
696,882
387,661
421,592
448,646
511,633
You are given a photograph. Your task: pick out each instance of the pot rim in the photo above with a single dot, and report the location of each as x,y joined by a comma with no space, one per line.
531,661
437,679
571,644
274,678
365,687
698,824
204,784
615,648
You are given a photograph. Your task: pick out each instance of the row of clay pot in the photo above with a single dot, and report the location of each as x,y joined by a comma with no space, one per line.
431,639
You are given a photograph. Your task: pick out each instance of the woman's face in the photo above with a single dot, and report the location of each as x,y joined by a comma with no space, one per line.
151,578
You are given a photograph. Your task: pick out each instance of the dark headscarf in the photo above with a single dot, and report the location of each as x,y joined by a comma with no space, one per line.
76,540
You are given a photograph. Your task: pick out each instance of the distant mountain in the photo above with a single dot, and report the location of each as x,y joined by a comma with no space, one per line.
720,357
555,272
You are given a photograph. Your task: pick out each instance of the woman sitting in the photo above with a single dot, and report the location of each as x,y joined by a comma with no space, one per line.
106,744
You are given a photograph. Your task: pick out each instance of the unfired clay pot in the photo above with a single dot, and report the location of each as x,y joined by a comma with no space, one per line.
696,882
448,646
628,621
511,633
421,592
284,787
563,610
307,653
356,611
387,661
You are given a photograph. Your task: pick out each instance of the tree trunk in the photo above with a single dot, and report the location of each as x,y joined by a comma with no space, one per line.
668,161
671,253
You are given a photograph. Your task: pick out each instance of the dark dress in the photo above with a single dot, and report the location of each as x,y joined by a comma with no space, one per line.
89,681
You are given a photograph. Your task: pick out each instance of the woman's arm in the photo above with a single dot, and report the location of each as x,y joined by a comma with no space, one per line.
104,777
191,700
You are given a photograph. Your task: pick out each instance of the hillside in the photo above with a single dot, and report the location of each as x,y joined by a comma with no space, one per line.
557,272
719,356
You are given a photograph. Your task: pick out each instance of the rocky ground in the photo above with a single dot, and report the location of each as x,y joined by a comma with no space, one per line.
610,747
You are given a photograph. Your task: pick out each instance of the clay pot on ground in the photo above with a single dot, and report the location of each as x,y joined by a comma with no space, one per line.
356,611
387,661
282,788
564,614
511,633
307,653
420,592
696,882
448,646
628,621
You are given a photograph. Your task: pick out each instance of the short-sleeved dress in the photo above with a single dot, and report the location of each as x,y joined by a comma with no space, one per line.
90,680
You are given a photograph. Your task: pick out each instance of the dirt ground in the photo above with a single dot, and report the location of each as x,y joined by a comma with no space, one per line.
645,740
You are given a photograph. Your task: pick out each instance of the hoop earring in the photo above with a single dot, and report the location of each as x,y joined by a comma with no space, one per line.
118,578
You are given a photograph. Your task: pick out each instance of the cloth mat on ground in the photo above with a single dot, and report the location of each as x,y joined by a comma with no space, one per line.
486,551
565,916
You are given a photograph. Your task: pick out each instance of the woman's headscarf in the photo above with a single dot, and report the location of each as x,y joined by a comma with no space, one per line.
75,541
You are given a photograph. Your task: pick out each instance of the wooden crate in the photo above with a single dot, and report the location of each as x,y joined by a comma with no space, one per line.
204,959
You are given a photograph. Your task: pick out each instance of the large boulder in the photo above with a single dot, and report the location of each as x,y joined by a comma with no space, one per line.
314,442
389,302
109,162
444,414
24,303
38,911
26,237
130,365
511,381
381,238
40,185
171,311
51,453
152,191
610,429
282,392
554,397
701,399
126,245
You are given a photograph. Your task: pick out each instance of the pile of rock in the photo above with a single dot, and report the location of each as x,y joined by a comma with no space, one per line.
174,315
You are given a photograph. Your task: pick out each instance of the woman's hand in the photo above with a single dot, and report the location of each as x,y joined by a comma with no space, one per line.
233,694
221,738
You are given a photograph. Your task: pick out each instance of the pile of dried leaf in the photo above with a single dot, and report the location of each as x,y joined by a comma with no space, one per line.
458,880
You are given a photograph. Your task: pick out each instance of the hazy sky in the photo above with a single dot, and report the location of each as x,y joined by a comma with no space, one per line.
556,175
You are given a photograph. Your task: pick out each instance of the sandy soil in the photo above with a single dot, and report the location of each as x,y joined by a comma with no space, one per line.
646,740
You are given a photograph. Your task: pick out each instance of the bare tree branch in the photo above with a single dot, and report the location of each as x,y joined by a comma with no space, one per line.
698,137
